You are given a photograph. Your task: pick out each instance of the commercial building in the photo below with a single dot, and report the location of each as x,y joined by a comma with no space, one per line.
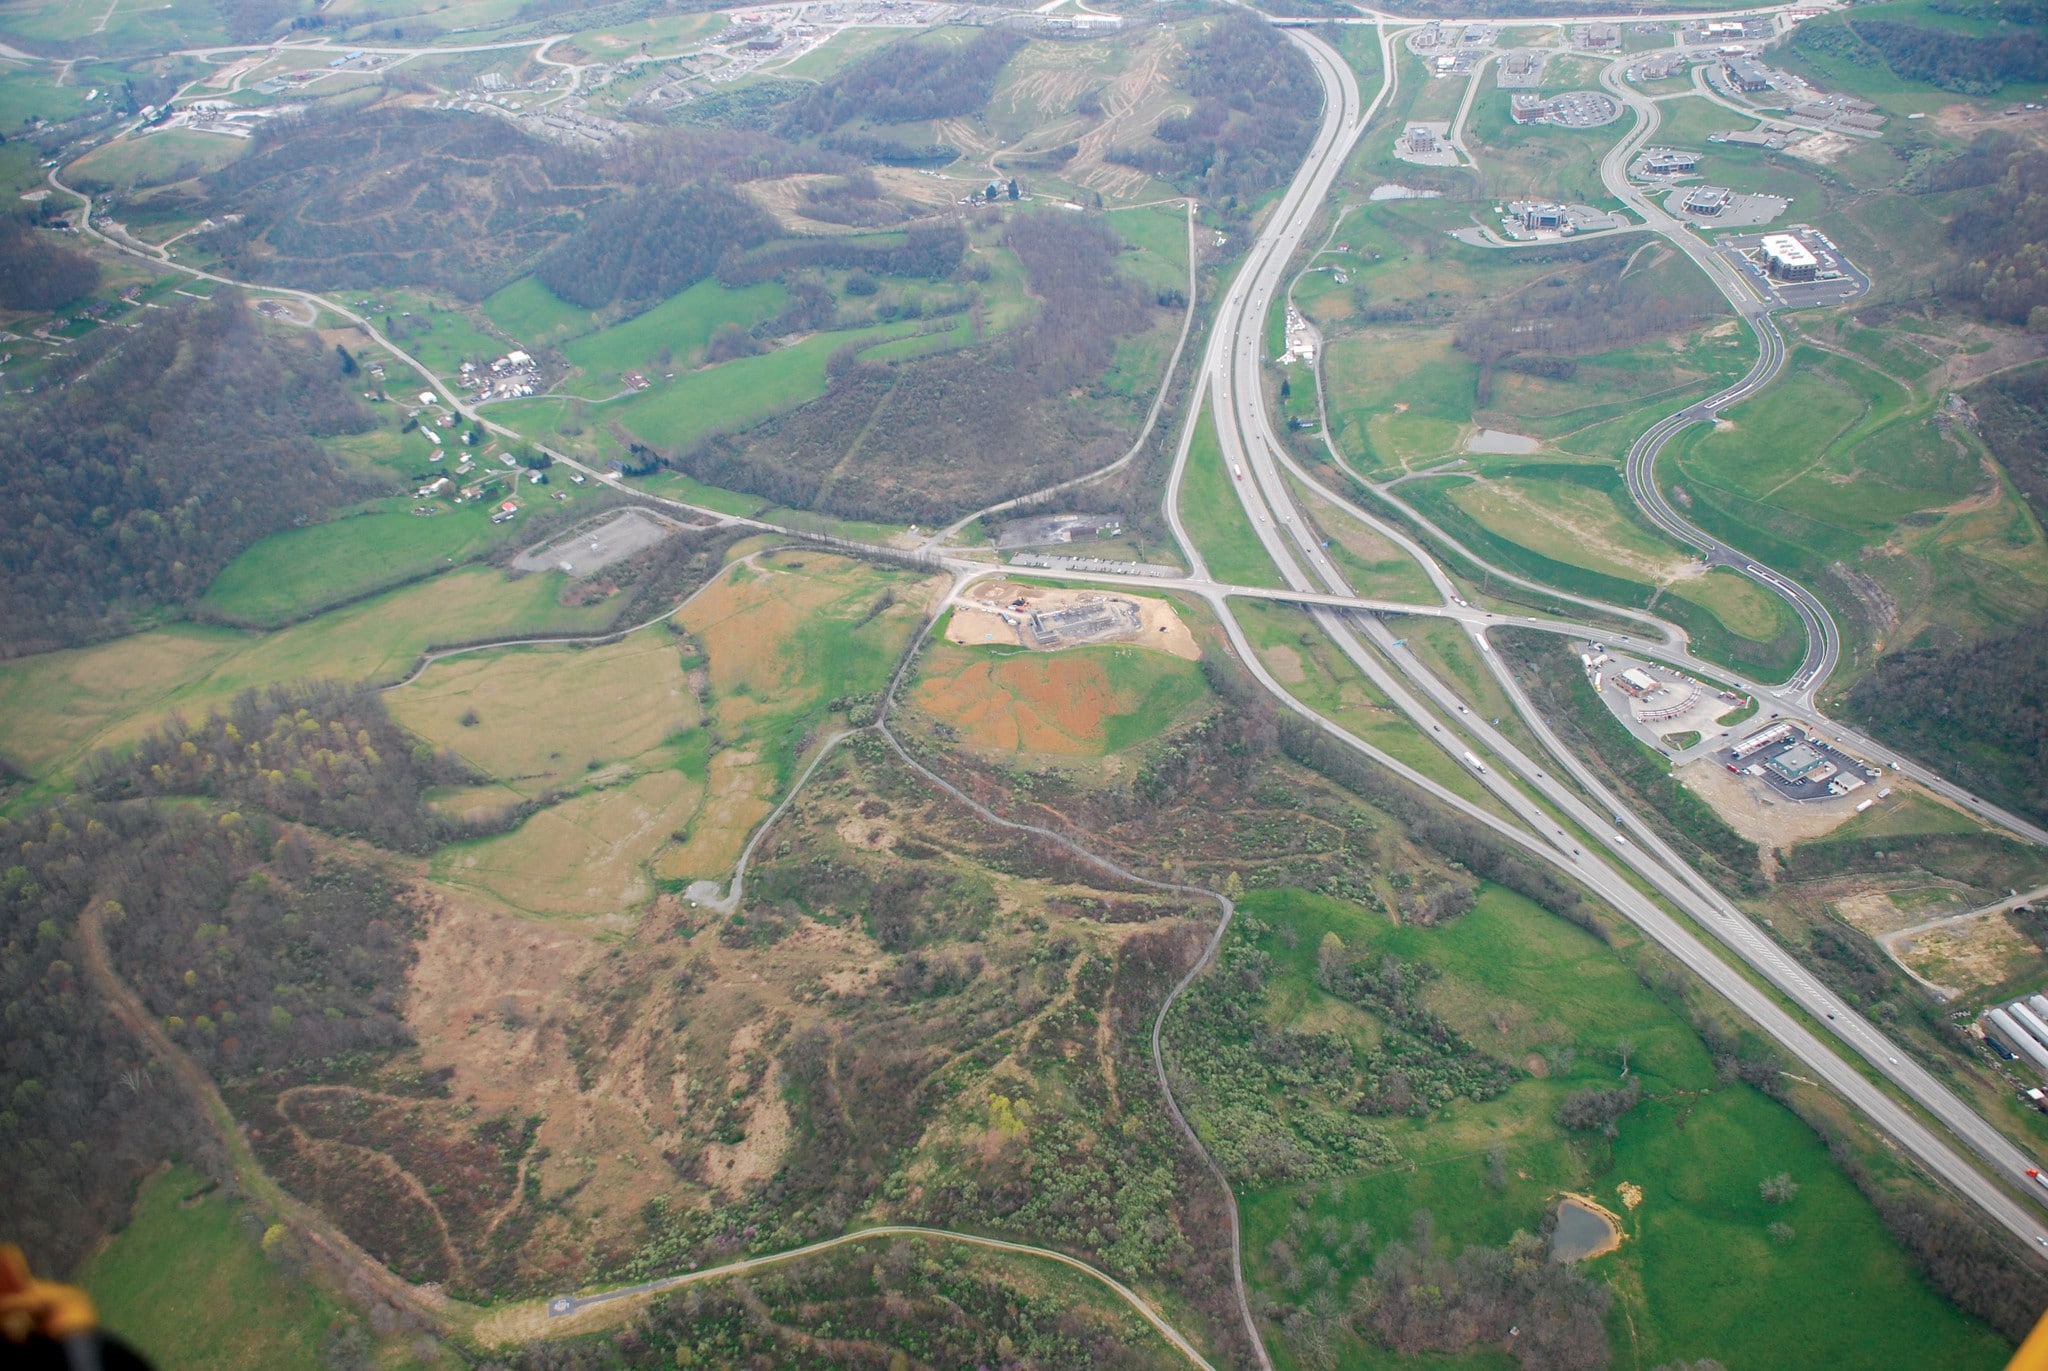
1708,200
1542,218
1786,258
1668,162
1798,761
1747,75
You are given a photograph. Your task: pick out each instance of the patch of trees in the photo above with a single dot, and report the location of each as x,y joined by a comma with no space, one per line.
1595,1108
646,247
1556,682
1952,60
892,152
372,199
2004,244
1513,1298
1277,1105
1256,103
39,272
320,753
907,82
1391,989
1978,714
247,948
1578,310
935,437
931,251
130,487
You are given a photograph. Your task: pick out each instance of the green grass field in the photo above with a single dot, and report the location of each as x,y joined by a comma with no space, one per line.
742,392
1697,1274
303,569
1215,517
535,315
441,335
188,1285
681,324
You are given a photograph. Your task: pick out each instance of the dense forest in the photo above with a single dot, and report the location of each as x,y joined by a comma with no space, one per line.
1256,104
1956,61
2004,243
130,487
1978,715
933,437
645,248
39,272
905,82
243,945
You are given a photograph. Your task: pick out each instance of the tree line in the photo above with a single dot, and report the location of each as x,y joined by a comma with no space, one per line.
177,444
319,753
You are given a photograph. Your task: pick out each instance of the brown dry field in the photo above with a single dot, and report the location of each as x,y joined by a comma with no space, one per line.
584,857
1972,954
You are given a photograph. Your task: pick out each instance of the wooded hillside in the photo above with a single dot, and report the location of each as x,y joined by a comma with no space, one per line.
1256,105
249,949
39,272
907,81
938,436
645,248
178,444
2004,242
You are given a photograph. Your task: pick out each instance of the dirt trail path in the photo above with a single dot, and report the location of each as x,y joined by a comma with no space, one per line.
312,1228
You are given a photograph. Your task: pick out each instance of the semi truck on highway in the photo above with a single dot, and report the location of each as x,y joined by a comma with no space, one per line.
1477,765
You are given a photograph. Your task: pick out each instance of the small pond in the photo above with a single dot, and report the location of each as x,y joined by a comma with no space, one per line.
1493,440
1581,1232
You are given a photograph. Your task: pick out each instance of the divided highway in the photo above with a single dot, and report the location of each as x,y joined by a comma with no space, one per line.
1259,468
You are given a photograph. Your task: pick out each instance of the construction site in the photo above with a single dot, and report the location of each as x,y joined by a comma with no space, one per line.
1046,619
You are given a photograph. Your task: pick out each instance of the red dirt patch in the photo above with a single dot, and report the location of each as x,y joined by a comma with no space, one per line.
1036,704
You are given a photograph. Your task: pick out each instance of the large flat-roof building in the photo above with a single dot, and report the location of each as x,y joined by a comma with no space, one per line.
1788,259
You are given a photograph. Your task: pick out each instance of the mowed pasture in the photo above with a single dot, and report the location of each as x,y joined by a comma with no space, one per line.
535,719
302,569
57,705
187,1283
1084,701
1698,1273
1840,464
